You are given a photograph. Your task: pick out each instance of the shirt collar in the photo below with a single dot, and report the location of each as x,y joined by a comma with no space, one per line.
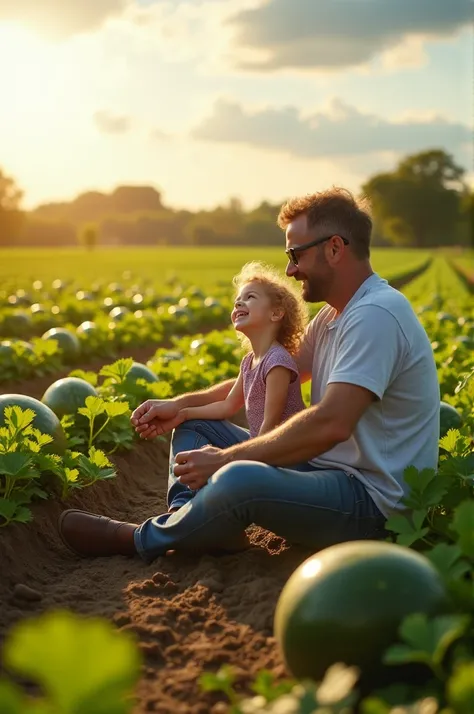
359,293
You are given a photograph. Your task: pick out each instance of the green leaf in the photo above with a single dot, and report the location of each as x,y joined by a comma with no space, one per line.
118,370
115,409
463,382
7,508
90,377
374,705
458,466
460,689
427,488
94,407
463,524
98,458
408,532
266,686
13,463
71,475
449,442
102,661
23,515
11,510
42,439
221,681
18,418
11,699
427,640
446,558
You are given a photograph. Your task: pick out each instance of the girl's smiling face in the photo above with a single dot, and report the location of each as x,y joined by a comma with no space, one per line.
253,309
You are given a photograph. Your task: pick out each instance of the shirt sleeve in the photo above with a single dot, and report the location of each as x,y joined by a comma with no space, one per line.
279,358
370,349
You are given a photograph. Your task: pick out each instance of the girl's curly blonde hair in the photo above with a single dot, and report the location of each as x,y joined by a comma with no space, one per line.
282,295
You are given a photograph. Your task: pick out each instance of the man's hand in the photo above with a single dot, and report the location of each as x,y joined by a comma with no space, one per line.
195,468
155,417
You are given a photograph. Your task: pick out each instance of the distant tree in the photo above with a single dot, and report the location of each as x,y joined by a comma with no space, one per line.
39,232
468,217
89,236
11,216
126,199
420,203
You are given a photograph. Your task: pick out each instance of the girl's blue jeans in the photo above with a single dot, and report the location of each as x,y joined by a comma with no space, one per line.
307,506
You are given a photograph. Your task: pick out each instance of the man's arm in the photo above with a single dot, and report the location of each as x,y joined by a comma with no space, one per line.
306,435
370,353
311,432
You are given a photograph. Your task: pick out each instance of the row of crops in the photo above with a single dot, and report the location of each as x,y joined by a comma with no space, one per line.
44,326
418,658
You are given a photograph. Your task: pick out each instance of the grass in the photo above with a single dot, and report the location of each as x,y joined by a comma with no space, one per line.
206,265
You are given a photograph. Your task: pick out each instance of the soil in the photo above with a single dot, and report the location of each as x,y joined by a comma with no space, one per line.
189,614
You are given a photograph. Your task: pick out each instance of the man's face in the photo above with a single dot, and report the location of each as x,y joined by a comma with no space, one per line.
312,270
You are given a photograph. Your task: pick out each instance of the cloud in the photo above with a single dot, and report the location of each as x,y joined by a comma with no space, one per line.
109,123
332,34
340,131
160,135
60,19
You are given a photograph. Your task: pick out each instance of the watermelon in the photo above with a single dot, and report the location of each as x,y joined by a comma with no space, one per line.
449,418
66,395
17,324
67,341
86,327
141,371
345,604
118,313
7,349
45,420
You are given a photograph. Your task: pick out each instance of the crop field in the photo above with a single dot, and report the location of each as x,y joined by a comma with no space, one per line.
202,266
196,633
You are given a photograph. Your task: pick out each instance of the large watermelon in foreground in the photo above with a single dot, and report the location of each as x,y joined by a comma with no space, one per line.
66,395
345,604
45,420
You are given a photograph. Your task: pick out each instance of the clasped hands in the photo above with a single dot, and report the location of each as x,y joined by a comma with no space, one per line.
156,417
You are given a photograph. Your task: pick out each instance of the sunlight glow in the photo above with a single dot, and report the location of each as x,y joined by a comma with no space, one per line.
311,568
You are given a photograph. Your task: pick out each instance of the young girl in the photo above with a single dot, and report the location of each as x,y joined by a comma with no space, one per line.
270,319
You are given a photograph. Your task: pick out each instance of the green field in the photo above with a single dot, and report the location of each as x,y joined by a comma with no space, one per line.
202,266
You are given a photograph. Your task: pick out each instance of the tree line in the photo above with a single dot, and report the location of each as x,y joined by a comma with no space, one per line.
423,202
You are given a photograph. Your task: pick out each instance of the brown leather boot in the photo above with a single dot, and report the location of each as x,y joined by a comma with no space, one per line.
91,535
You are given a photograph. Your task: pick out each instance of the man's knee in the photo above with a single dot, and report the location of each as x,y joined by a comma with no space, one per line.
236,479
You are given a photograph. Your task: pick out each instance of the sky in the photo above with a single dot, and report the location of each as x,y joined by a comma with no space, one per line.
212,99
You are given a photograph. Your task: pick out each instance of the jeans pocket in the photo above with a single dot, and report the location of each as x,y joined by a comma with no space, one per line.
358,490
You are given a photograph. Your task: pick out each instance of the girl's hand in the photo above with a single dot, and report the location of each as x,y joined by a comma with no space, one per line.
155,417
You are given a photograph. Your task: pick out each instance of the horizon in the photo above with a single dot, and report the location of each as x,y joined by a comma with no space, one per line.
247,99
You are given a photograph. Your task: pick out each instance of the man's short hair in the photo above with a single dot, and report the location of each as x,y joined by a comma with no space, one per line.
336,211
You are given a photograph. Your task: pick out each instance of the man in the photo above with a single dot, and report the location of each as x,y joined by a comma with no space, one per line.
374,411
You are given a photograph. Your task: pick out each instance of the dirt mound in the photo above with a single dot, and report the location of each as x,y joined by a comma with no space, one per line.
190,614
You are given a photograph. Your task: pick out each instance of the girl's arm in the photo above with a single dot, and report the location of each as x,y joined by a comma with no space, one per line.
276,397
218,410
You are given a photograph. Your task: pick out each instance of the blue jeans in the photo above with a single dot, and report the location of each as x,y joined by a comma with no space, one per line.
308,506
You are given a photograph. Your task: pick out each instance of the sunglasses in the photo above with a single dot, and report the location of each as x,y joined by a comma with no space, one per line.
291,252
